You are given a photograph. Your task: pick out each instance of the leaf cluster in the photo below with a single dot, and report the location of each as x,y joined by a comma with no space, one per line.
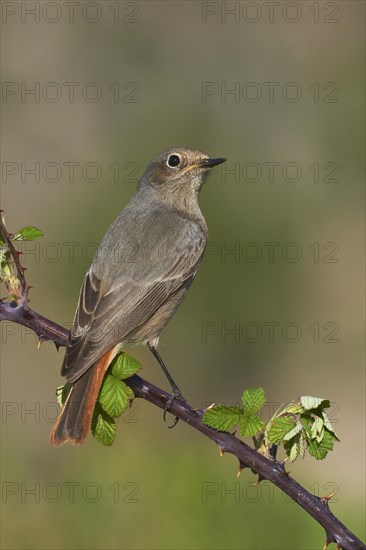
9,274
299,426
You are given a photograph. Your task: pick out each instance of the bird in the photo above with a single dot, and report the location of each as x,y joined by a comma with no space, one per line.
141,272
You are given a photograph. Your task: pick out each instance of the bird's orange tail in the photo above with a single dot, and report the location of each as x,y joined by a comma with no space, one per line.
73,423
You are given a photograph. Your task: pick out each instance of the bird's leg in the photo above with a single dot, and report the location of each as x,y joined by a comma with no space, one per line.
176,393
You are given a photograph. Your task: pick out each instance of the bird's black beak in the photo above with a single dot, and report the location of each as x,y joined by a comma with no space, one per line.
210,163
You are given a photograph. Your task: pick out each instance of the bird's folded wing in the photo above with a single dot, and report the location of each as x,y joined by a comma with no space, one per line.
104,319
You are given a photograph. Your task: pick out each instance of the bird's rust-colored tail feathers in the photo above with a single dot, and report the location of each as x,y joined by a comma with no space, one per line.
73,423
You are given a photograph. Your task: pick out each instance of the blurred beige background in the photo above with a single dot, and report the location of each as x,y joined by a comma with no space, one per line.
114,84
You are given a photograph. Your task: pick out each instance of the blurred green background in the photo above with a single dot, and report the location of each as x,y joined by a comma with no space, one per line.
163,71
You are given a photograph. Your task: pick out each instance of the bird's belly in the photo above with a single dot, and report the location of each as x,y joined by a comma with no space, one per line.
150,330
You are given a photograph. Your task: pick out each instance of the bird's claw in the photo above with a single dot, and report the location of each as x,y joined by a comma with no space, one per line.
176,394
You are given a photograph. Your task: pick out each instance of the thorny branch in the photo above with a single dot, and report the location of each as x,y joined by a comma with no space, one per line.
266,468
22,293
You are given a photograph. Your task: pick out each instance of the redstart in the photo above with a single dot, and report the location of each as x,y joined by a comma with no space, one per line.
141,272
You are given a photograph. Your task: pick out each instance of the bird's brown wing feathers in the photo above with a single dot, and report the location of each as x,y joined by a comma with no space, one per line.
103,320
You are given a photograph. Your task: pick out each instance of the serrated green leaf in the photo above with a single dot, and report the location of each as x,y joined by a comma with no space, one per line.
297,429
222,417
328,425
294,451
279,428
319,450
307,423
294,447
123,366
103,427
253,399
28,233
317,429
62,392
113,396
309,402
250,425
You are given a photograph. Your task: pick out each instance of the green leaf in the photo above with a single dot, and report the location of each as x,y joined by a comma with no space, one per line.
222,417
294,451
124,365
297,429
295,447
279,428
253,399
250,425
28,233
113,396
329,426
307,423
317,429
313,402
103,427
62,392
319,450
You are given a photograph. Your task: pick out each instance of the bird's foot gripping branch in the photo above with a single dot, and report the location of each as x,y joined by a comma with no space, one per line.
299,426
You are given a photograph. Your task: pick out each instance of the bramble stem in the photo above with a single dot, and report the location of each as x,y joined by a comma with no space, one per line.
266,468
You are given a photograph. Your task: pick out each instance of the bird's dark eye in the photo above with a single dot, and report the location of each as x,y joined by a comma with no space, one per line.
173,160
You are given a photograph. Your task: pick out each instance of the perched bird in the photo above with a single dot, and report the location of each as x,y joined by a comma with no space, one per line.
141,272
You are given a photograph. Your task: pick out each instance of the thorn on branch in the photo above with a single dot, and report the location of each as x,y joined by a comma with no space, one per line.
241,468
328,497
260,478
329,539
282,466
